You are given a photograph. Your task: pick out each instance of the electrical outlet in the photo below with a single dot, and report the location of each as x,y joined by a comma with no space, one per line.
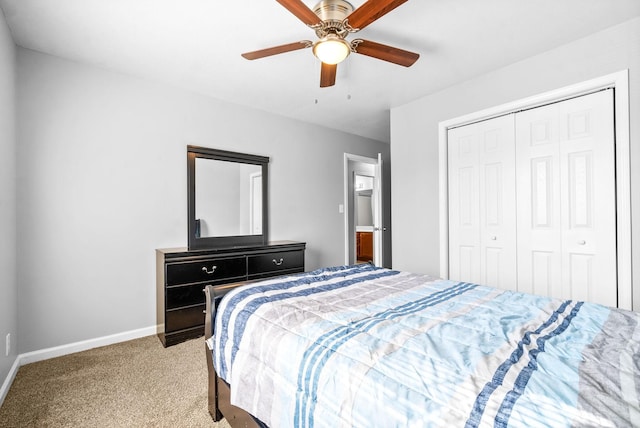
7,345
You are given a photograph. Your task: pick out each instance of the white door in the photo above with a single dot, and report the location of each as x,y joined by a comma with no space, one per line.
566,199
482,224
370,167
378,228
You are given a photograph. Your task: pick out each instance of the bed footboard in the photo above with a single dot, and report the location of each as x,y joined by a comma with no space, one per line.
211,300
219,393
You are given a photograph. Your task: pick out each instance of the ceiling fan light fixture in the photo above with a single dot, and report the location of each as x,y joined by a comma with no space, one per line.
331,49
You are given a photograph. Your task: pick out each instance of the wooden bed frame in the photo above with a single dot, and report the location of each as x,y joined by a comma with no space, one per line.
219,395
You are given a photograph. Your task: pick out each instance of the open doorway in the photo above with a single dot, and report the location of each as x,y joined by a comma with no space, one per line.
363,215
363,210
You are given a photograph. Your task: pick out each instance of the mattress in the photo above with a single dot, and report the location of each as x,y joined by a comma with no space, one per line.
361,346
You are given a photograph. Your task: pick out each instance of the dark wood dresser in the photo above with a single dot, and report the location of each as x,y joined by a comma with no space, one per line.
181,276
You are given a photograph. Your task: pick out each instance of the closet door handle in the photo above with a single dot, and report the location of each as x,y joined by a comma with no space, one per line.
582,242
278,263
209,272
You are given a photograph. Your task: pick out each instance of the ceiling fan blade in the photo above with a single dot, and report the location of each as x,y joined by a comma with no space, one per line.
328,75
301,11
370,11
278,49
385,53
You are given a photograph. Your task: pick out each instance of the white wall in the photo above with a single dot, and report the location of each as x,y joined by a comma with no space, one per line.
102,183
8,274
414,133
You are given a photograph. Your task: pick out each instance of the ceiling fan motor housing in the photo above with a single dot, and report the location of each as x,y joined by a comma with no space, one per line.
332,13
333,10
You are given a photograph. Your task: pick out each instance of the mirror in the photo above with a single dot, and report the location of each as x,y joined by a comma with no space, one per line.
227,198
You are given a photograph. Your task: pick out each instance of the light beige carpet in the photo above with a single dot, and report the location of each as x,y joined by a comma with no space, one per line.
131,384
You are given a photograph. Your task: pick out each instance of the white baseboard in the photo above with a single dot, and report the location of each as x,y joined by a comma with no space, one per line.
58,351
9,379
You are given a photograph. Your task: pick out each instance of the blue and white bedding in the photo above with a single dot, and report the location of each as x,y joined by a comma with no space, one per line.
360,346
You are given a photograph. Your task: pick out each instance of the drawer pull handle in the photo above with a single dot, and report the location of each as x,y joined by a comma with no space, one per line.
209,272
278,263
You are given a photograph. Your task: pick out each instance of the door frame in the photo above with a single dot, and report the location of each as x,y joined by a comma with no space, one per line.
378,247
620,83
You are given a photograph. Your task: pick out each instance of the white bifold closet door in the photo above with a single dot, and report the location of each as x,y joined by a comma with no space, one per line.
482,218
532,200
566,199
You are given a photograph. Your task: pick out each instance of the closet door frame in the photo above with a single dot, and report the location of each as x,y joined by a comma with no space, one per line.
620,83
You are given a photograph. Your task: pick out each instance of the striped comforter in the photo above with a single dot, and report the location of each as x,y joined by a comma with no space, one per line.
360,346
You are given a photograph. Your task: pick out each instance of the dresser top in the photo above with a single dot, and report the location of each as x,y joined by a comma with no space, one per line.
273,245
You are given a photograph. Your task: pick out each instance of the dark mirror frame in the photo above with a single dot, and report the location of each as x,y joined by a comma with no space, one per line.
200,243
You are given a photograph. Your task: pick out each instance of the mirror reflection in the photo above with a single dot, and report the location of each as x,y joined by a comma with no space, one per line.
364,203
228,198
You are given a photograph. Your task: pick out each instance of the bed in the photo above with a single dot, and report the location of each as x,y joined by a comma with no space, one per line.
361,346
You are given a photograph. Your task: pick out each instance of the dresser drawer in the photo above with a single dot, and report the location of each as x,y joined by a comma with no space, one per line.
274,262
184,295
184,318
205,270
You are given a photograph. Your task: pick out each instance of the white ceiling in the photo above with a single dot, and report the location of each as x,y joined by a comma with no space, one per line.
196,44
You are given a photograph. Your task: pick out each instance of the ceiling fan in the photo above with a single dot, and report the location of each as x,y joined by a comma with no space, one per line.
332,21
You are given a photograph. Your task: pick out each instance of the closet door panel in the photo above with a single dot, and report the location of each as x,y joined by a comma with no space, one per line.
464,231
587,153
539,228
542,270
566,199
481,200
497,190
